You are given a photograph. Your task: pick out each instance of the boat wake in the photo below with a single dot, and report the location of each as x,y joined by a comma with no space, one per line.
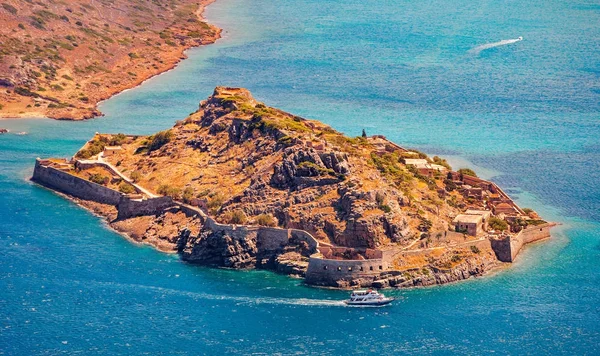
478,49
240,300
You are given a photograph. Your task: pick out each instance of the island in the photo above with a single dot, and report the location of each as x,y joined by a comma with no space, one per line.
58,59
239,184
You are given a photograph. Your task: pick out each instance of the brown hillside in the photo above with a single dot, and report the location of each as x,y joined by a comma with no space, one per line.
60,58
249,163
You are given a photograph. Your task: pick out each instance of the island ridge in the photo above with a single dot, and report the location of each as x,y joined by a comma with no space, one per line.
239,184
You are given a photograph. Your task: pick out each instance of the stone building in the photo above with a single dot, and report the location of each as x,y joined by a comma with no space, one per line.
471,224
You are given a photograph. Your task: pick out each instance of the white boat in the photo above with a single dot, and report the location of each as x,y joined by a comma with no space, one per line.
368,297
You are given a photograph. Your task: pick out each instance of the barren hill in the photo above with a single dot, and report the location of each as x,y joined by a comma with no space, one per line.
60,58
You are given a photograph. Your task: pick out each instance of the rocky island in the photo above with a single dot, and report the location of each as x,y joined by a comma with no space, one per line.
238,184
58,59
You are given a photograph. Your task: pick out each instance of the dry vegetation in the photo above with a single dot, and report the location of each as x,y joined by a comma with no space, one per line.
225,155
60,58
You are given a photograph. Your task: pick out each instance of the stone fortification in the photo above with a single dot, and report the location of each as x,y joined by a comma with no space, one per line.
73,185
508,247
330,272
129,208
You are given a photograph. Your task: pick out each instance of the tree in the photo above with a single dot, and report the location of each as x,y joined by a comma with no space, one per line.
467,172
126,188
265,220
364,133
159,139
498,224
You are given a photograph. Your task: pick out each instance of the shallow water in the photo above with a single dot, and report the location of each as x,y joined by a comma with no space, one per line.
526,113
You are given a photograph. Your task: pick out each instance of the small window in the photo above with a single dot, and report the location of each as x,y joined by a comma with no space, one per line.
380,267
325,268
350,269
361,268
340,269
371,268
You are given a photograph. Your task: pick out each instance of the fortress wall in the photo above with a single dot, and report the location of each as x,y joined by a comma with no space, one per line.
75,186
129,208
269,238
306,237
327,272
529,235
502,249
508,248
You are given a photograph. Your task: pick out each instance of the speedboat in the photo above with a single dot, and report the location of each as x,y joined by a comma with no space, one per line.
367,297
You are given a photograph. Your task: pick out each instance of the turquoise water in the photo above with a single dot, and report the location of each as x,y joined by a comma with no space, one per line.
527,114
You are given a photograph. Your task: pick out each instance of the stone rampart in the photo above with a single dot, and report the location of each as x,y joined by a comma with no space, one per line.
73,185
129,208
507,248
306,237
329,272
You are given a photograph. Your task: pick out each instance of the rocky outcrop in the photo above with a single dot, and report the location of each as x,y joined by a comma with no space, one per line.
306,168
220,248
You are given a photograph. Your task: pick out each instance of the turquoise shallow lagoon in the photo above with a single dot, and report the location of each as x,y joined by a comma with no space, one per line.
527,114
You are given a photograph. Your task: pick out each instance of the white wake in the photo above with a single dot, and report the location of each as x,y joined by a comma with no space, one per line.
483,47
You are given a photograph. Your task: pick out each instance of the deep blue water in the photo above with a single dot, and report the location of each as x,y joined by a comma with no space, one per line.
526,114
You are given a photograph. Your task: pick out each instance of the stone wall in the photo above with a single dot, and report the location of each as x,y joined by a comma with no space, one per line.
508,248
529,235
73,185
306,237
129,208
329,272
270,239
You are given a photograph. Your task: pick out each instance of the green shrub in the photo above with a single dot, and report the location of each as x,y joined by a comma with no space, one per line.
379,198
135,176
265,220
25,92
215,202
236,217
475,249
441,162
170,191
159,139
117,139
10,8
93,148
126,188
498,224
99,179
467,172
188,195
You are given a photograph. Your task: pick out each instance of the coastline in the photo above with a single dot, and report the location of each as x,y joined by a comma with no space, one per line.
175,57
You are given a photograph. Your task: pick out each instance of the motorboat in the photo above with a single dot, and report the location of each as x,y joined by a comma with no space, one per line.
368,297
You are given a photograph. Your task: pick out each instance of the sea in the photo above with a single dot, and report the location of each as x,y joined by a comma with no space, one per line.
450,78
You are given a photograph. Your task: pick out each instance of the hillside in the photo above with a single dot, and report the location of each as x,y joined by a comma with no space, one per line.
242,185
247,161
58,59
